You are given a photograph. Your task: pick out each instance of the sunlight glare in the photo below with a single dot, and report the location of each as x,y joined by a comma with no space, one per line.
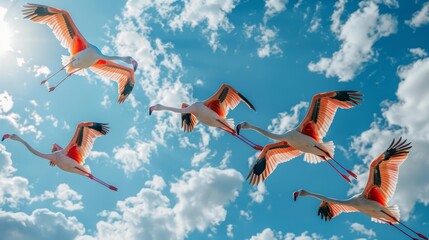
5,33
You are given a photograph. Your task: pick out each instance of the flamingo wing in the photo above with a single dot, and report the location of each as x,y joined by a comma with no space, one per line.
224,99
270,157
383,173
124,76
61,24
327,211
83,139
322,111
188,120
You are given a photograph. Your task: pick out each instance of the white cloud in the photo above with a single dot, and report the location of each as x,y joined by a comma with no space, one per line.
41,224
157,183
274,7
20,62
96,154
359,228
201,199
13,189
106,103
230,231
336,15
358,35
266,234
258,195
6,102
285,121
246,214
420,17
65,198
224,162
413,185
132,159
41,70
418,52
211,12
268,43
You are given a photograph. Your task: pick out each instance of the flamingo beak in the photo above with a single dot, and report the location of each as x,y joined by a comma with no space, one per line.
237,128
135,64
6,136
295,196
151,110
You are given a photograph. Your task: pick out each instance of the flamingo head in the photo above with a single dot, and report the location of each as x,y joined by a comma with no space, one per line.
241,125
132,61
11,136
300,192
154,108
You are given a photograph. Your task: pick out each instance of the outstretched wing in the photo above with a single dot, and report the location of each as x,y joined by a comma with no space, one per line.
61,24
122,75
327,211
83,139
383,172
224,99
188,120
270,157
322,111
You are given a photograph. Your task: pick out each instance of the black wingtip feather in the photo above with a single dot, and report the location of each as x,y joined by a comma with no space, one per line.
247,101
102,128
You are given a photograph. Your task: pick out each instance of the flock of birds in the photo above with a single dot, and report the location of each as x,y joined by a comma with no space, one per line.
306,138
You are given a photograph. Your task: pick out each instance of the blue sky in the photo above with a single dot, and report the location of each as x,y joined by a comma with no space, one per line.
175,185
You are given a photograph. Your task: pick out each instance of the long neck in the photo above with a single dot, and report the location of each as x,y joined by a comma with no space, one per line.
172,109
266,133
323,198
34,151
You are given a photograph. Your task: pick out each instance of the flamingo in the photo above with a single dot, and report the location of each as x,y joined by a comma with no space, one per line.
72,158
83,55
306,138
212,112
382,180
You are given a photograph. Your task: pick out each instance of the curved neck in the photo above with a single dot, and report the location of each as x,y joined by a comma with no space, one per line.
113,58
34,151
266,133
323,198
172,109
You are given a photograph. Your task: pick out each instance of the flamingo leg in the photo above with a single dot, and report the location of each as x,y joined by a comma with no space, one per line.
393,225
92,177
44,81
342,175
62,80
418,234
345,169
242,138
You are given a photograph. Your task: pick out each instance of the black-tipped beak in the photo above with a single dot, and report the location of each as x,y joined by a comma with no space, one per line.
2,139
237,128
295,196
135,64
150,111
6,136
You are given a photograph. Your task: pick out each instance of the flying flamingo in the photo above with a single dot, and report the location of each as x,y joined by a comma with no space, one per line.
306,138
82,54
212,112
382,180
72,158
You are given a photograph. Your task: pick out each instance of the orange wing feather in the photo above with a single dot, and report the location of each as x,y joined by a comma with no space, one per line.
188,120
224,99
271,156
122,75
61,24
383,173
322,111
327,211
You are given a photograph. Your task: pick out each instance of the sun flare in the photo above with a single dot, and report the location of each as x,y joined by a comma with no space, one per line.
5,33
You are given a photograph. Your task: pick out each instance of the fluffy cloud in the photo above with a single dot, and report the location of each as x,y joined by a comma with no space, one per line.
358,35
266,234
359,228
201,198
413,185
274,7
418,52
268,43
13,189
258,195
269,234
131,159
41,224
157,183
286,121
420,17
65,198
41,70
230,231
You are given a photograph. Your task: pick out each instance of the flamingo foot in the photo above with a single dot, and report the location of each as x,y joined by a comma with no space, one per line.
258,148
43,82
346,178
113,188
51,89
352,174
422,236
